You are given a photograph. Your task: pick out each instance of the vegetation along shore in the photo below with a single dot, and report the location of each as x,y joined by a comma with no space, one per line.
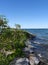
15,46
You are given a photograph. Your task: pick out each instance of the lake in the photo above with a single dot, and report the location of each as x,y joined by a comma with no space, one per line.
40,42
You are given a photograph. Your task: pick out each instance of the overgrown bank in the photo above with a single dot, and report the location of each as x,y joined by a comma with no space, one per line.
12,41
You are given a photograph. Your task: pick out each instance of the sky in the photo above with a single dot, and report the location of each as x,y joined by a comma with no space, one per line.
27,13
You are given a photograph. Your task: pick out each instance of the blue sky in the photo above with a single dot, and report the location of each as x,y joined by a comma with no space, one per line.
27,13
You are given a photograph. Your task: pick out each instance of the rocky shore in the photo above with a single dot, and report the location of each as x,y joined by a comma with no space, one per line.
31,58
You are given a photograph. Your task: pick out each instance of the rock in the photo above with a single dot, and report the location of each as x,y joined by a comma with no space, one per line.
28,43
41,63
22,61
43,60
39,55
28,51
33,59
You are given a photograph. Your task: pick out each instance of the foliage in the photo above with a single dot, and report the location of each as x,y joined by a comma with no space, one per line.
11,57
10,40
17,26
3,22
3,60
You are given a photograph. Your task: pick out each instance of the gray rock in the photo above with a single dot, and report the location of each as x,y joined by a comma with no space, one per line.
22,61
33,59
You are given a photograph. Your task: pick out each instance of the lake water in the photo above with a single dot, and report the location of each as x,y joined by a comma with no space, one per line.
40,42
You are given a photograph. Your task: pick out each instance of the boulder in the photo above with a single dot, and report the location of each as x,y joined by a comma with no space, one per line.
33,59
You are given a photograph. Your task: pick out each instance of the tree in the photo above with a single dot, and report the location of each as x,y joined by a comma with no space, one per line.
18,26
3,22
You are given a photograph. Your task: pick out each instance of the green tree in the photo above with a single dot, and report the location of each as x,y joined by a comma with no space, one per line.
18,26
3,22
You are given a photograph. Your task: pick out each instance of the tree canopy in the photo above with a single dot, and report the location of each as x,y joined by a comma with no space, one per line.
18,26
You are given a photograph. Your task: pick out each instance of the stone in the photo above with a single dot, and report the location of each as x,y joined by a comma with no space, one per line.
33,59
22,61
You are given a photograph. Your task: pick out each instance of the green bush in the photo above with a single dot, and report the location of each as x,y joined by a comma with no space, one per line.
3,60
10,57
11,39
8,47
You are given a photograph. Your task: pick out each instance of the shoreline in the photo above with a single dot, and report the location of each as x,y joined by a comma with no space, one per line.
31,56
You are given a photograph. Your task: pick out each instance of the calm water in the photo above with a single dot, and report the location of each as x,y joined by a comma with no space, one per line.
40,42
41,35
